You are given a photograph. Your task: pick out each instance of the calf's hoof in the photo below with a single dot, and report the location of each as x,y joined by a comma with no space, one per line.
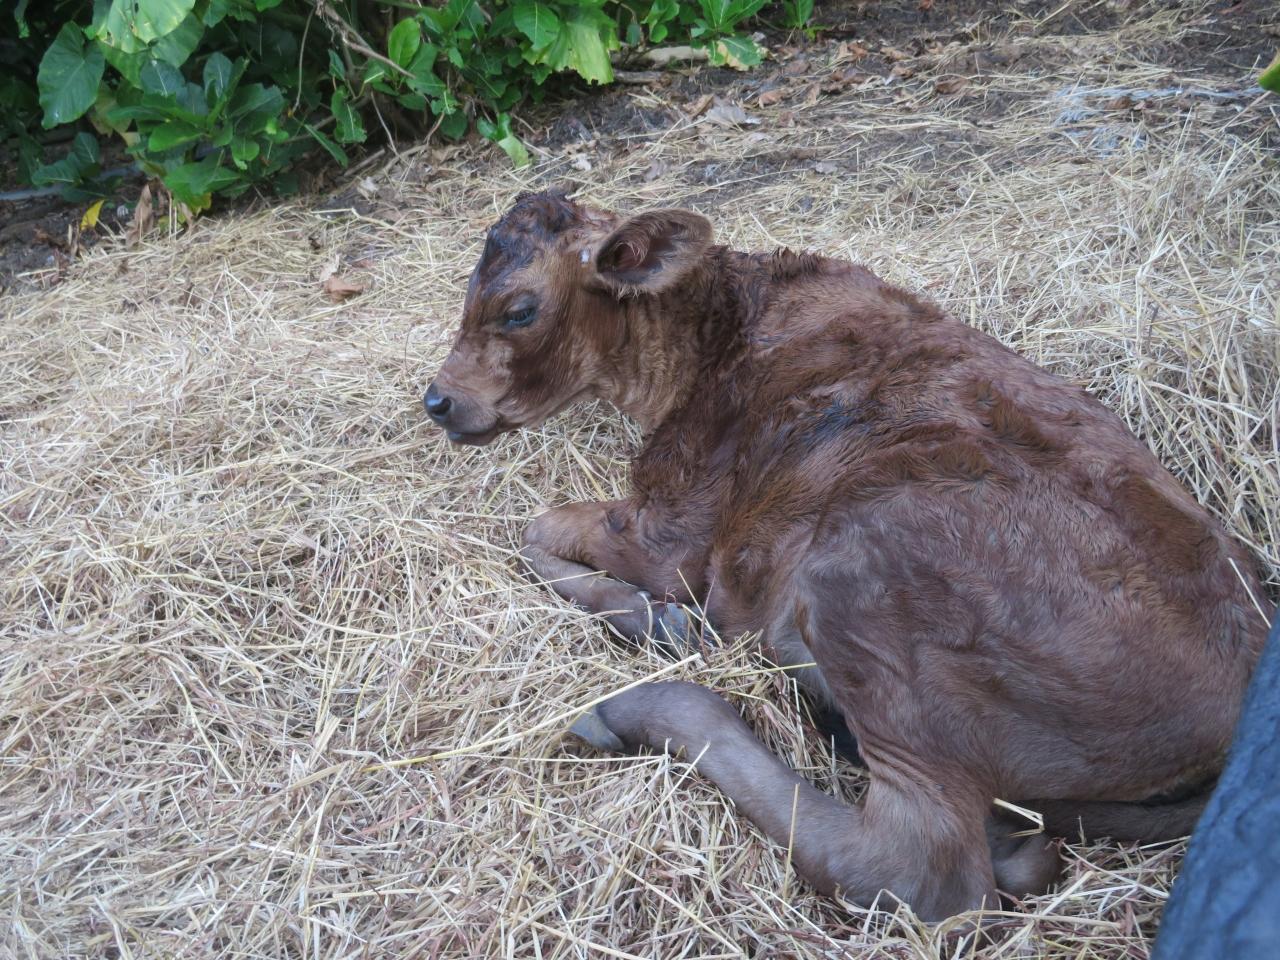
592,728
675,628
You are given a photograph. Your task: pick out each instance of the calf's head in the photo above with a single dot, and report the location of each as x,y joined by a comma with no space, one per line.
552,307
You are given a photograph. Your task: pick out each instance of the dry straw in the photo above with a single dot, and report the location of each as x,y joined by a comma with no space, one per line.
243,578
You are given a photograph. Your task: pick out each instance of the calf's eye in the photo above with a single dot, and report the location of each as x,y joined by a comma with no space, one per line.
520,318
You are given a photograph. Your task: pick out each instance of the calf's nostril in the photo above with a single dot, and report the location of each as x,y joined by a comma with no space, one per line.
436,403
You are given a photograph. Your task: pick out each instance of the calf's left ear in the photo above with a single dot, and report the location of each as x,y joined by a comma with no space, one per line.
652,252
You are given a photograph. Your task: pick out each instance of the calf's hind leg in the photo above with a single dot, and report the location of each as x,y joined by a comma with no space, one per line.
923,843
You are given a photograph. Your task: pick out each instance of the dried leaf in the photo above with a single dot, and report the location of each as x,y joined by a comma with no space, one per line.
661,56
796,67
329,269
893,54
846,78
90,218
850,51
695,108
812,94
338,288
726,113
643,77
143,218
1006,52
656,170
947,85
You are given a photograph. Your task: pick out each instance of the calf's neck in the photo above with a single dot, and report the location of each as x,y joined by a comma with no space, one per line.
998,588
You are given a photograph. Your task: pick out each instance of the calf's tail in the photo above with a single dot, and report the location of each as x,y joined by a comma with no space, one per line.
1146,822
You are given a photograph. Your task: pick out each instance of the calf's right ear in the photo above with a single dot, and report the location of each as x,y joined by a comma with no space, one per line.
652,252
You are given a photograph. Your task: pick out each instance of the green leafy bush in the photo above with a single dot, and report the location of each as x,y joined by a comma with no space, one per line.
214,96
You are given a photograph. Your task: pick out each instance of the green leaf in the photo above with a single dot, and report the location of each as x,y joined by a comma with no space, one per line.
254,105
127,65
454,125
217,77
716,13
119,117
172,133
798,13
243,152
661,11
403,41
337,69
159,18
191,99
161,78
29,157
17,97
177,46
1270,77
129,25
514,149
499,132
538,22
193,183
584,45
232,82
737,52
216,12
350,128
69,76
154,107
80,163
20,18
424,80
333,149
174,49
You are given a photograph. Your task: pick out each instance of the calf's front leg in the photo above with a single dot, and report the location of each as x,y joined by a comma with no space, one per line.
576,548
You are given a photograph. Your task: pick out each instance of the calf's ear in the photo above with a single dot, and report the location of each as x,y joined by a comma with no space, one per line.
652,252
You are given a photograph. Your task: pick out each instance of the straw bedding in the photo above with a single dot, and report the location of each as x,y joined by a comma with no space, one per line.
270,685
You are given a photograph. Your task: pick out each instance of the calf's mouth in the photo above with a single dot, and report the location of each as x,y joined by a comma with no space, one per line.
474,438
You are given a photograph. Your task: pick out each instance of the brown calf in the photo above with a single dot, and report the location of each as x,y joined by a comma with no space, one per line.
1000,589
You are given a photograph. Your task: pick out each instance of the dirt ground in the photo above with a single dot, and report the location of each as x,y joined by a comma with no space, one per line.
270,684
